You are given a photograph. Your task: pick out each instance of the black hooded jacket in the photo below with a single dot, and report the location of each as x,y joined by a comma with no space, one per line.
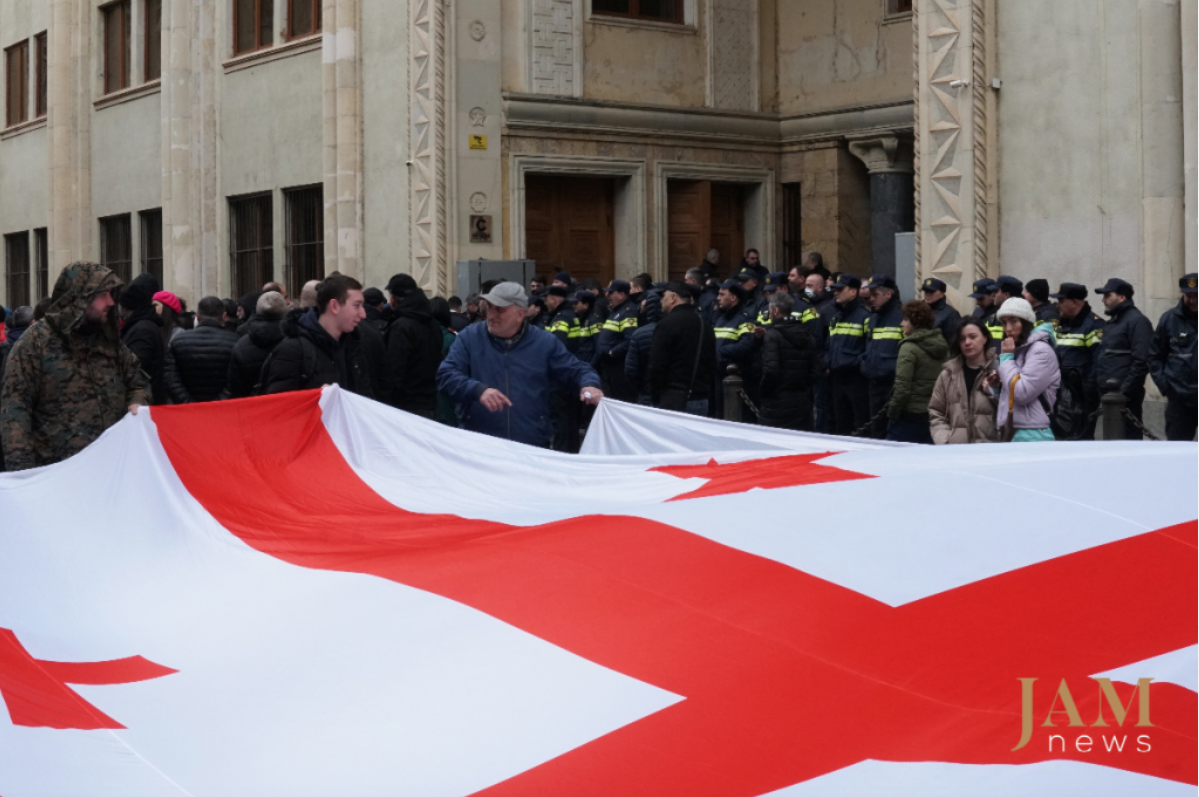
791,365
409,378
142,333
262,334
308,358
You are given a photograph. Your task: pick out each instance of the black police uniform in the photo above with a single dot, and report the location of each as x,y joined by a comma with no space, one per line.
1124,354
849,403
882,352
1173,366
1078,340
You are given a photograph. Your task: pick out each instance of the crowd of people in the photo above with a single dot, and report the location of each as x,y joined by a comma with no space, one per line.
813,350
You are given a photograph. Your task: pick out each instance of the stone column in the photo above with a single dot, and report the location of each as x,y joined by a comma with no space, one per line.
192,258
892,207
955,148
1190,121
427,162
1163,237
342,101
70,87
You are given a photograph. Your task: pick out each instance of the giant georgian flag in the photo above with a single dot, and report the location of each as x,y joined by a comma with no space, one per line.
312,594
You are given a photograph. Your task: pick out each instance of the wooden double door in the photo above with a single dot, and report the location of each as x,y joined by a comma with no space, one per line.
569,226
703,215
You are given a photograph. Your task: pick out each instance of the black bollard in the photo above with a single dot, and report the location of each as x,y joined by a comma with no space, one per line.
732,394
1114,403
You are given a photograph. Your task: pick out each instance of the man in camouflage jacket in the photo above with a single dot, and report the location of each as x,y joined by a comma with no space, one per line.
69,377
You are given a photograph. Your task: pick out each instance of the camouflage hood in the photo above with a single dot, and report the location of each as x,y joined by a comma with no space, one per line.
76,287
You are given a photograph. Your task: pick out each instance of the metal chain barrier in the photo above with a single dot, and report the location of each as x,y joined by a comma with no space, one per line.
1129,416
748,403
870,423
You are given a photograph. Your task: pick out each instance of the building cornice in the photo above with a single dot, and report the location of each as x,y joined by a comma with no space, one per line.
563,115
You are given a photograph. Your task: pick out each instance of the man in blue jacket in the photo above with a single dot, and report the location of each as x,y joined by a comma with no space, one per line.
500,372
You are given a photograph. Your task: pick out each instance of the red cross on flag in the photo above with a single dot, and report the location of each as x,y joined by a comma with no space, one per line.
313,594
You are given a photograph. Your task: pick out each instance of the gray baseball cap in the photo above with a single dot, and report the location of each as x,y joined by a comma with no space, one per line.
507,293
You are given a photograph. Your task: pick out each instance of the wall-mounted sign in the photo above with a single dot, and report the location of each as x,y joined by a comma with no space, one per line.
477,141
480,229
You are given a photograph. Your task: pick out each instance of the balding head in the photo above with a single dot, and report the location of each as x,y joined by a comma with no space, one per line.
308,293
271,305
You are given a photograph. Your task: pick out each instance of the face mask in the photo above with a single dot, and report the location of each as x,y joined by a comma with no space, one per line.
811,294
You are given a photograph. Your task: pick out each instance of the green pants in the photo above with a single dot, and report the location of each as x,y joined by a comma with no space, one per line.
1033,436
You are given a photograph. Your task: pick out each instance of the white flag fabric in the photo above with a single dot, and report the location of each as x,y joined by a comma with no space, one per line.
314,594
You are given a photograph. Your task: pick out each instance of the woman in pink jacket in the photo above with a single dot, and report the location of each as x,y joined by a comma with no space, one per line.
1029,374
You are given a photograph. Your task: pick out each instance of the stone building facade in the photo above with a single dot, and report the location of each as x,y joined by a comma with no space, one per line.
222,142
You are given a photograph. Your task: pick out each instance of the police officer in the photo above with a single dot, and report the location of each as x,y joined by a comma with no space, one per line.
986,297
754,304
1173,363
882,347
735,339
1037,294
946,314
561,320
1079,333
775,281
613,342
848,390
1125,350
589,324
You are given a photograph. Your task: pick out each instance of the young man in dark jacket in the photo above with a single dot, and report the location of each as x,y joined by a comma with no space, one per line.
682,356
500,372
197,361
409,375
1172,363
322,345
946,315
142,333
791,366
263,334
1125,350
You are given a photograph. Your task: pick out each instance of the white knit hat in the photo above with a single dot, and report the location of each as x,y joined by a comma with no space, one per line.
1017,308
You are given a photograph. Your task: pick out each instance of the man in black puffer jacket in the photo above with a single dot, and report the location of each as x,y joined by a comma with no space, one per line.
636,362
791,365
262,334
409,377
142,332
321,345
197,362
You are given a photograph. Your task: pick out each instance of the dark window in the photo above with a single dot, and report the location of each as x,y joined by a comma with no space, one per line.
903,6
250,243
656,10
41,243
252,21
151,223
116,245
792,244
305,236
303,18
16,63
153,43
40,89
116,46
16,261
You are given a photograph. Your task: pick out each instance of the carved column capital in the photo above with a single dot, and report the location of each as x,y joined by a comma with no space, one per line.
882,153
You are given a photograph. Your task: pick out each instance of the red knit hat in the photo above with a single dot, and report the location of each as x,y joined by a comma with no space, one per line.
170,300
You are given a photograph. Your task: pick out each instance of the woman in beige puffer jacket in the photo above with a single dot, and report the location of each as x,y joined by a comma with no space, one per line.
958,413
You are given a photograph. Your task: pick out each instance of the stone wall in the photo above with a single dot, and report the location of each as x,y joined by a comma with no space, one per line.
834,204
